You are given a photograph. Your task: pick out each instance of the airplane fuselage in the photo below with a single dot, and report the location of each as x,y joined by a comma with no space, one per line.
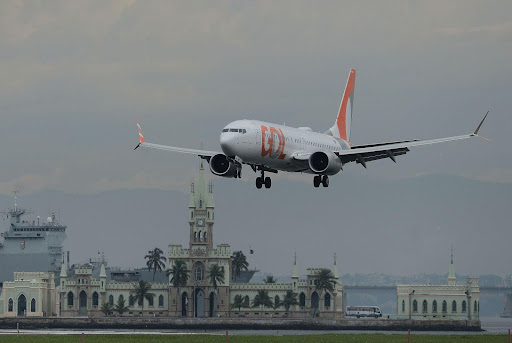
274,145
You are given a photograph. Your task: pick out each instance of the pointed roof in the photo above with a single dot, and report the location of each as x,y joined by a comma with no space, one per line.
451,275
335,268
200,194
103,273
63,268
295,273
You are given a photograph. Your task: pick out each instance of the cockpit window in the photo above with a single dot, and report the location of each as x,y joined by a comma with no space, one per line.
243,131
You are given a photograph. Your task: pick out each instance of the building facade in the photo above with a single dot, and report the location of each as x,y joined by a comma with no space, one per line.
31,294
451,301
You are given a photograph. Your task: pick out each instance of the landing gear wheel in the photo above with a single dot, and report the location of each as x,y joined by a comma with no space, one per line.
268,182
316,181
239,173
259,182
325,181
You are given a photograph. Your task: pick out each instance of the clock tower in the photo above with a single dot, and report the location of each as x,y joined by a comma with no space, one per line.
201,214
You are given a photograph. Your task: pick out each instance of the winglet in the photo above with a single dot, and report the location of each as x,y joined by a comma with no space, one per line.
141,137
480,125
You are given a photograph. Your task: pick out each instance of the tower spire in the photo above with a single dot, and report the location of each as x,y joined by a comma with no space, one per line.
451,275
295,273
335,267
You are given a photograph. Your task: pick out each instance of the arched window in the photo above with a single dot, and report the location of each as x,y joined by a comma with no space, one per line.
199,236
140,302
198,271
327,300
424,306
111,300
277,301
95,299
33,305
121,298
454,306
11,306
445,307
475,308
150,301
302,300
206,236
463,305
70,299
414,306
195,236
246,301
403,305
130,300
200,203
161,301
434,306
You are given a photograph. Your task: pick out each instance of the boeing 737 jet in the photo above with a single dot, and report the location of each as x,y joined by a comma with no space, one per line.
268,147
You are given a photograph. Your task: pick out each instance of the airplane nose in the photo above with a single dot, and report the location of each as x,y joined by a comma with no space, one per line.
227,143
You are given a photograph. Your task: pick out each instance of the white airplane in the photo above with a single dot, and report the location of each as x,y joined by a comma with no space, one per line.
268,147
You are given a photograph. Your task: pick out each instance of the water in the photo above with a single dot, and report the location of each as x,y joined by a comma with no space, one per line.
491,325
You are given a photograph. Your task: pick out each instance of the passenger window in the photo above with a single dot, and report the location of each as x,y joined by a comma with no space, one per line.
233,130
225,130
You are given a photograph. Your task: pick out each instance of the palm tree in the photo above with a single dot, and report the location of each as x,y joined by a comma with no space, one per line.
262,299
120,307
141,292
270,279
106,308
238,263
290,299
238,302
180,275
325,281
215,275
154,260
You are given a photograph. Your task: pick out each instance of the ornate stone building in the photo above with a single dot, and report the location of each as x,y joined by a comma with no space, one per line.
451,301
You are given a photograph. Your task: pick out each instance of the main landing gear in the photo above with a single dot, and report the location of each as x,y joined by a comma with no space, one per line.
321,179
262,180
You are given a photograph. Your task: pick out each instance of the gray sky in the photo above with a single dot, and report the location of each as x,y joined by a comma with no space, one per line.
74,77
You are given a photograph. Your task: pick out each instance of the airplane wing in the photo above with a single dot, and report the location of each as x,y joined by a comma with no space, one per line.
366,153
206,154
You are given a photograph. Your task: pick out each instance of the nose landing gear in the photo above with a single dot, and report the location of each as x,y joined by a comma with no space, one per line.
321,179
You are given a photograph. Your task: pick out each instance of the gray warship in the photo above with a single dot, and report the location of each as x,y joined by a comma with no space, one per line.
30,245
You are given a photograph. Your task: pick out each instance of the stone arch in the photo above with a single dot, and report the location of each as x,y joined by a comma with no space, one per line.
315,300
33,305
212,304
71,298
199,302
302,300
327,300
95,299
198,271
184,304
82,303
22,305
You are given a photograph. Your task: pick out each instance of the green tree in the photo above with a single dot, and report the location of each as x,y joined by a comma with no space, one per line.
141,292
289,300
215,275
270,279
262,299
155,260
120,307
238,302
238,263
325,281
106,308
180,275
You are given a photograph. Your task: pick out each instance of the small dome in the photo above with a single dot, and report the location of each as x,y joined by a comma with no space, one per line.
49,219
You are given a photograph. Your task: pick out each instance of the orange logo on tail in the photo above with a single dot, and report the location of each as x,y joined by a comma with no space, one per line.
279,153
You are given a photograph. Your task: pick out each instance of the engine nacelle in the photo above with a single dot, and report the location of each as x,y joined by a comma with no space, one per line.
325,163
221,166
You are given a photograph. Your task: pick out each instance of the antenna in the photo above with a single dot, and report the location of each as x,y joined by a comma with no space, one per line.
15,200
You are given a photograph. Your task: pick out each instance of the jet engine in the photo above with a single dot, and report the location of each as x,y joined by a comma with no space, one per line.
221,166
325,163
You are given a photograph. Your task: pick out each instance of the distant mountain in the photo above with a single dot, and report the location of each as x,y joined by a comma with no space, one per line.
397,227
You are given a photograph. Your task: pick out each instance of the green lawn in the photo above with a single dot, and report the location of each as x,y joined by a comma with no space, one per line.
340,338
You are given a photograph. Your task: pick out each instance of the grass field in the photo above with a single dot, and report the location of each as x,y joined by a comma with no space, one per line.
342,338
